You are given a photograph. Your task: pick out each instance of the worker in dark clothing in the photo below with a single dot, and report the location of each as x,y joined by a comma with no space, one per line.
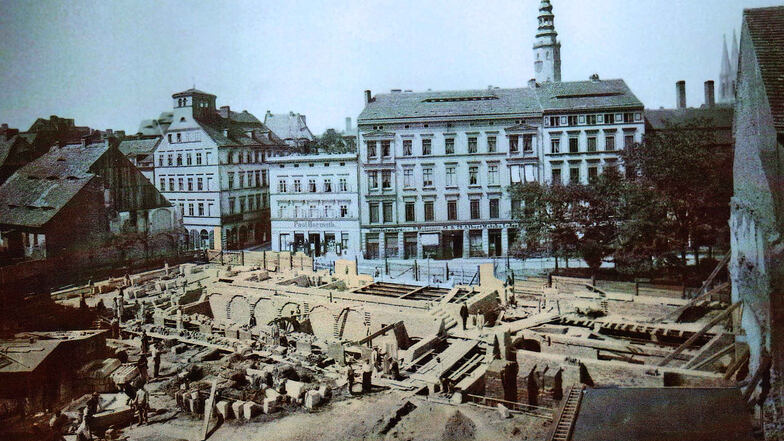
145,341
91,410
82,302
156,361
464,315
252,321
142,366
350,377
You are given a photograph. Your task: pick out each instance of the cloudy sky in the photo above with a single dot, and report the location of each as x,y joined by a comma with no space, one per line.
110,64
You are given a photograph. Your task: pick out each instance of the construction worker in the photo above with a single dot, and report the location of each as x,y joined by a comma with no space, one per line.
145,341
82,301
83,432
252,321
57,425
464,314
91,410
156,361
350,377
142,366
115,326
141,403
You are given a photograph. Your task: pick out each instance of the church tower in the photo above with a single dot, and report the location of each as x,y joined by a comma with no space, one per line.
729,71
547,48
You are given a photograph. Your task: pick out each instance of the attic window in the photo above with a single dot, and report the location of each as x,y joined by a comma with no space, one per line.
71,178
32,177
182,119
52,178
13,206
460,98
61,159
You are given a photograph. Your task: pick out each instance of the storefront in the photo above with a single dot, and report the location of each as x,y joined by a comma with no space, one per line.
316,237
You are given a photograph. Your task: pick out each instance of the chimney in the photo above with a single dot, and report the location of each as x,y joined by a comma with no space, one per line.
225,111
680,91
348,124
396,90
367,96
710,97
5,126
532,83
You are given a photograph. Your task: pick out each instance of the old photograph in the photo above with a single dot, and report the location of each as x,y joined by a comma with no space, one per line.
392,220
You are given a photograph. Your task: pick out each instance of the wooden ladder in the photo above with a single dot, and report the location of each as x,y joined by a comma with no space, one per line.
563,428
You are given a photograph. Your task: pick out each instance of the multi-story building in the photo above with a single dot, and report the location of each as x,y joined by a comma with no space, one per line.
210,163
586,124
314,203
434,168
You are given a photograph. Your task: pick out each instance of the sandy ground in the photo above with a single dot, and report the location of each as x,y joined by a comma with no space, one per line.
359,419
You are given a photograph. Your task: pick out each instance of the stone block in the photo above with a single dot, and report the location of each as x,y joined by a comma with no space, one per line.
224,409
312,399
205,328
249,410
503,411
244,334
272,394
295,389
236,407
270,405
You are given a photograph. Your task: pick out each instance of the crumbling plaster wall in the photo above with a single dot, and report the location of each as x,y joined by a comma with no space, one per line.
756,266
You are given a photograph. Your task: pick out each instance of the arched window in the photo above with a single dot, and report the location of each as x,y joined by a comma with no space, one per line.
205,239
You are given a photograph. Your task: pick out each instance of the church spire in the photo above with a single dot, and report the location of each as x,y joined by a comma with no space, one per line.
547,48
726,89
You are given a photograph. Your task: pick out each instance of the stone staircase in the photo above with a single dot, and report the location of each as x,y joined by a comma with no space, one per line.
440,313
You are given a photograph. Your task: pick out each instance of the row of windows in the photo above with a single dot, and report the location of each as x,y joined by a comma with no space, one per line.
592,119
248,203
255,179
426,146
591,143
247,157
313,212
191,136
575,175
382,212
180,159
326,185
450,174
194,208
184,184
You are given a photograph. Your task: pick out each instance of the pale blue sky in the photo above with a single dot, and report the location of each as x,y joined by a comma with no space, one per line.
110,64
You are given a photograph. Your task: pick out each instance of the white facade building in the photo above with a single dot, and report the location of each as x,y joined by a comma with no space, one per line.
210,164
586,124
435,167
314,203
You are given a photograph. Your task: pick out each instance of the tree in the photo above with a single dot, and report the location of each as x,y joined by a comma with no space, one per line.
546,218
686,172
333,142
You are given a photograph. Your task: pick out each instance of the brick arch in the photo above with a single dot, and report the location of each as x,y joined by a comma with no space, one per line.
238,309
322,321
350,323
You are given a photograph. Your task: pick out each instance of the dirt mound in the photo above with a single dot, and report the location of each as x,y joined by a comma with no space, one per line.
458,428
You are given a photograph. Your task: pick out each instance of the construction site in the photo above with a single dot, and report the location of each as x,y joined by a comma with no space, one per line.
271,348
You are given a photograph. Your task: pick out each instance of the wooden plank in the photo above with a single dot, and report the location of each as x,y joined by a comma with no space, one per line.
208,406
714,357
700,333
694,301
383,330
763,366
744,355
